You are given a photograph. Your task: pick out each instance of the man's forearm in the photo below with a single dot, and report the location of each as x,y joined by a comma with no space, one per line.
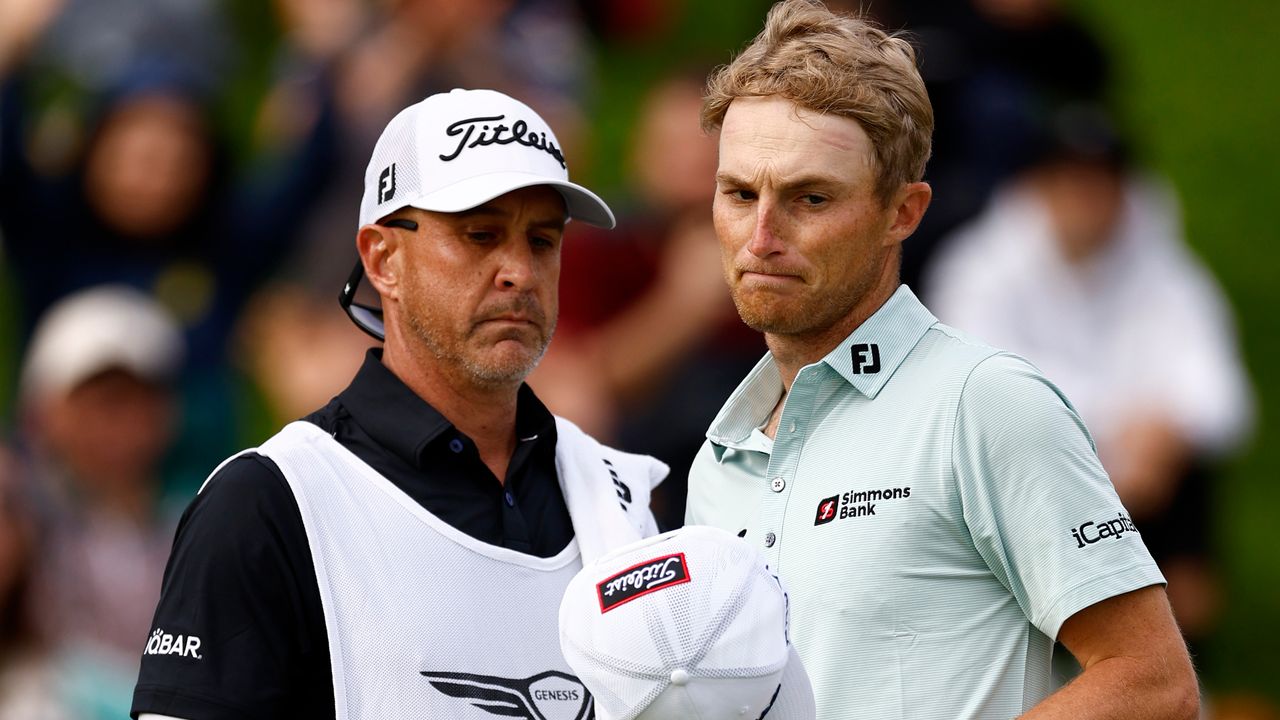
1135,663
1132,688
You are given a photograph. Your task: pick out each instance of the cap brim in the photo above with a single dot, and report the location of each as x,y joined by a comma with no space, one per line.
795,696
581,203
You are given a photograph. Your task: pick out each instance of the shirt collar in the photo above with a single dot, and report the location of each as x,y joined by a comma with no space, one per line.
888,336
748,406
874,350
401,421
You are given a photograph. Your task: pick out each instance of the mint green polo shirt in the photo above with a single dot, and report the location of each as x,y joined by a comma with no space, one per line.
936,510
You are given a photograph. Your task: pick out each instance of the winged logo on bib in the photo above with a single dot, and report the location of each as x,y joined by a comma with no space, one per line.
550,695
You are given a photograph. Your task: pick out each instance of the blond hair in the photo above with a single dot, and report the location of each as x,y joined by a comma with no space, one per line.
838,64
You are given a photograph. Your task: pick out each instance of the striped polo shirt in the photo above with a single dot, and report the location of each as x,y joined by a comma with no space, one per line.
936,509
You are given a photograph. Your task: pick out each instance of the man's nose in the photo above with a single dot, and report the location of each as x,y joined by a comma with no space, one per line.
765,236
515,266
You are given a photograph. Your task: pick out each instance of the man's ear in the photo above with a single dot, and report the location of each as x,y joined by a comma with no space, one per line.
377,246
908,207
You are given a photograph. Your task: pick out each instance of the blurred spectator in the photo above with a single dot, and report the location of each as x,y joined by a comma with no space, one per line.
90,43
29,678
152,203
141,188
1079,265
649,344
97,408
993,69
300,349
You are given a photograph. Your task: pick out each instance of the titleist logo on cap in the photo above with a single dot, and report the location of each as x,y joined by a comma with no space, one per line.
498,134
642,579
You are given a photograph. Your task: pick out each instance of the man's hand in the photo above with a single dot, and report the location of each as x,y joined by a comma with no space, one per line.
1134,659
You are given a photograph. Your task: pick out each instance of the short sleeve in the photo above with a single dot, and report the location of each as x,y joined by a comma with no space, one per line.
1039,507
238,631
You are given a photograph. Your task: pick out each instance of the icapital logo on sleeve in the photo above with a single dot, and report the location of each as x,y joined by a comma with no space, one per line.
1093,531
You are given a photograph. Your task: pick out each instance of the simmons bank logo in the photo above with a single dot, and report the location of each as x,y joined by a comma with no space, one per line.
856,503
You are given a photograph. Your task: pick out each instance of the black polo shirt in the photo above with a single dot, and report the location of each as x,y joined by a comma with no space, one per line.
239,630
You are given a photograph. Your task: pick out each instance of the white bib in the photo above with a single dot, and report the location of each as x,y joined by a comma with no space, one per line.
425,621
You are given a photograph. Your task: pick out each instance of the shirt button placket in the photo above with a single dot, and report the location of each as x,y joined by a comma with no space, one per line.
783,463
774,503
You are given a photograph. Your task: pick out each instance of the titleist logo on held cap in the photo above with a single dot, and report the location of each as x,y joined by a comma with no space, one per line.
639,580
498,134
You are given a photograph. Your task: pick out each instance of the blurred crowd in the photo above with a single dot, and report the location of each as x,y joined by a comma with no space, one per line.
179,182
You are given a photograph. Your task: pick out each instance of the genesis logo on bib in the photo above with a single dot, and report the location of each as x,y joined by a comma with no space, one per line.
642,579
550,695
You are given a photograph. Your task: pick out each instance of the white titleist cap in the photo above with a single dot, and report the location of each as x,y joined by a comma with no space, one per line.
98,329
687,624
456,150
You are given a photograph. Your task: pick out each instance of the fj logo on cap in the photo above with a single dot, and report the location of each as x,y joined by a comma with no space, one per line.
866,358
499,134
640,580
387,184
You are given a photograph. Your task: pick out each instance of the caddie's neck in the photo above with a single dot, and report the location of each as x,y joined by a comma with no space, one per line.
485,413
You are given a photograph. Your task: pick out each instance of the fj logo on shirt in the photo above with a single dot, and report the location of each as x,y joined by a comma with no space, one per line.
546,696
162,643
1114,528
387,183
856,503
866,358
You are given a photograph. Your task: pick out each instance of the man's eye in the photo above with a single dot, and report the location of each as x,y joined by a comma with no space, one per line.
812,199
743,195
481,236
542,241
